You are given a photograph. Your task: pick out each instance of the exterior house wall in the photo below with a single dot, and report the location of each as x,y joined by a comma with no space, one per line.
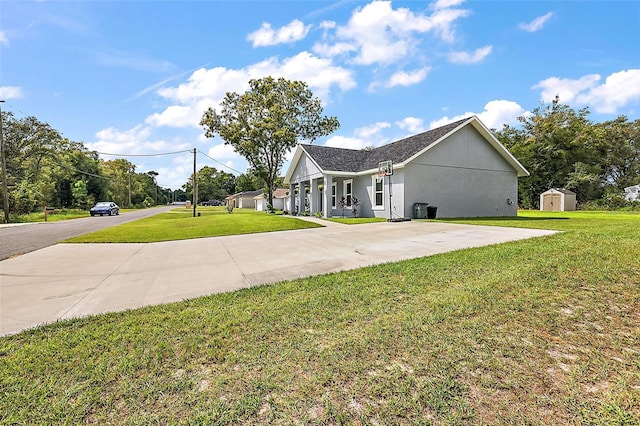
464,176
261,203
367,196
305,170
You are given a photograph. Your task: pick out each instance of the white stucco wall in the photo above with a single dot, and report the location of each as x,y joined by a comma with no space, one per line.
464,176
305,170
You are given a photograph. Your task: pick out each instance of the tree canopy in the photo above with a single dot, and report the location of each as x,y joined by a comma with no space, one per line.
561,147
266,122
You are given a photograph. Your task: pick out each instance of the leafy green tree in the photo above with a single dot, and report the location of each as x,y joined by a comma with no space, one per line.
80,193
550,143
122,184
213,184
249,182
266,122
561,147
622,151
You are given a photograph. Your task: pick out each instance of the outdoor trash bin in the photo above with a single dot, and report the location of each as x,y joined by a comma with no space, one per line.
431,212
420,210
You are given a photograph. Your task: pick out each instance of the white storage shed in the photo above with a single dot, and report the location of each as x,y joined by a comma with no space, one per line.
557,200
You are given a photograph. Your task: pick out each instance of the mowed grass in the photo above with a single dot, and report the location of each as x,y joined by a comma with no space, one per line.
544,331
356,220
179,224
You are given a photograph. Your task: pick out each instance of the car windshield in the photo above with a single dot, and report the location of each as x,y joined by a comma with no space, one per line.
102,204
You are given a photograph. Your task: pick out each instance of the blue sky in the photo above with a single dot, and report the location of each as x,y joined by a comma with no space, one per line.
134,77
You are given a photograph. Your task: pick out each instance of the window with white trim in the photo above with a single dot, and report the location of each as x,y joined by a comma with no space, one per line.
348,191
334,194
377,190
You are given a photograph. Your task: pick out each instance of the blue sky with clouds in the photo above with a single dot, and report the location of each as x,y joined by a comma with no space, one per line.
134,77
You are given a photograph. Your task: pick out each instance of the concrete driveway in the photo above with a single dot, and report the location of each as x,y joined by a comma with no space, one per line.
72,280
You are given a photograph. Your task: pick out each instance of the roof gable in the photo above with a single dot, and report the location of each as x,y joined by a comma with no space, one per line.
331,159
353,160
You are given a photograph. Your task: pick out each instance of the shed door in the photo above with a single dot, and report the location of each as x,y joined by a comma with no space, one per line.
551,203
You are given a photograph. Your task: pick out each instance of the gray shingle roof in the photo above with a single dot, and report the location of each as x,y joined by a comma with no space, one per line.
353,160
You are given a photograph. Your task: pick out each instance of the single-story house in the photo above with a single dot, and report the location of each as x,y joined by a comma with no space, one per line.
460,168
280,200
632,193
558,200
243,200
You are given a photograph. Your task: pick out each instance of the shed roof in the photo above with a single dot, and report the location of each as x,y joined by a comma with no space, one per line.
561,190
245,194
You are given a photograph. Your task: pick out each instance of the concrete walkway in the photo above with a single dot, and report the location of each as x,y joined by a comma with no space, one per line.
72,280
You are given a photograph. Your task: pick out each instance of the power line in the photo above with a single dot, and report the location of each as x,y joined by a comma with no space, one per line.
222,164
80,171
143,155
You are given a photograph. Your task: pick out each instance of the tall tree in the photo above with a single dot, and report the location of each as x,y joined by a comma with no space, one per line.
267,121
552,143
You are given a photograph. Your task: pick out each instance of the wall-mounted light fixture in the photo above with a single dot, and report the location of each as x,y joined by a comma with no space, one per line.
509,201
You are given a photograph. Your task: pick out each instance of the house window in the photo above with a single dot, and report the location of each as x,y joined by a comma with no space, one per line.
334,193
378,191
348,191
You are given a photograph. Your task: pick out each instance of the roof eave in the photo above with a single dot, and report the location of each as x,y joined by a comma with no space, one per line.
489,136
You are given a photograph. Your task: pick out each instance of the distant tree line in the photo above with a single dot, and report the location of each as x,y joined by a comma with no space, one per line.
44,168
562,148
558,145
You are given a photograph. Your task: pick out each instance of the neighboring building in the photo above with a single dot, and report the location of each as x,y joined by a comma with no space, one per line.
460,168
243,200
557,200
280,200
632,193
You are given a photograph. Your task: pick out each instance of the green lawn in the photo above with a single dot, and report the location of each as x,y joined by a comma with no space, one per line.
538,332
356,220
179,224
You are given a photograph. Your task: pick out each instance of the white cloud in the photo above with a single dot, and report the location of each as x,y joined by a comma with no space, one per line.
267,36
4,40
444,4
346,142
133,141
412,124
223,151
403,78
495,114
11,92
337,49
363,137
377,33
567,89
618,90
372,130
536,24
466,58
206,87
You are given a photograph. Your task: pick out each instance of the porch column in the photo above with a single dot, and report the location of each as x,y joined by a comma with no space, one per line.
292,199
328,187
301,195
313,189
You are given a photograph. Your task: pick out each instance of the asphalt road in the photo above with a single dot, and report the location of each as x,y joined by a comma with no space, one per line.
25,238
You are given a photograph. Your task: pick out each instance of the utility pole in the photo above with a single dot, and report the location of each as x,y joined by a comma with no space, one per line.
195,182
3,160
